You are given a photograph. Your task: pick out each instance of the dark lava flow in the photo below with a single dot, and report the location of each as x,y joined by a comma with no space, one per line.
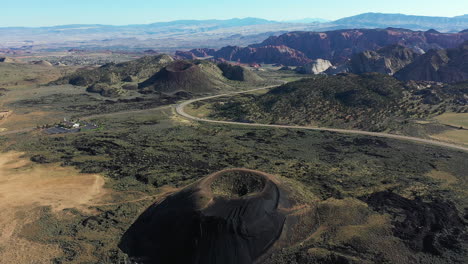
229,217
426,226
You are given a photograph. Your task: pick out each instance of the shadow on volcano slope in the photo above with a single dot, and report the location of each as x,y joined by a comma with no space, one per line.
232,216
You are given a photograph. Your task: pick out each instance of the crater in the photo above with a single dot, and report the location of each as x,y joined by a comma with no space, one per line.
236,184
179,66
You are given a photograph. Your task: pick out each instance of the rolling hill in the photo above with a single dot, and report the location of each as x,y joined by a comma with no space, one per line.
193,77
114,73
238,73
159,74
371,101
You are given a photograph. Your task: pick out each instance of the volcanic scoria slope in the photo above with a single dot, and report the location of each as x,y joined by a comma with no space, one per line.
231,217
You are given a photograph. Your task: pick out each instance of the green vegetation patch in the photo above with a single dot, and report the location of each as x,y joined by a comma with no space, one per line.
373,102
341,173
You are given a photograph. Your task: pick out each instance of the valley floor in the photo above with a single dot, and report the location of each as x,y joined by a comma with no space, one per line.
69,198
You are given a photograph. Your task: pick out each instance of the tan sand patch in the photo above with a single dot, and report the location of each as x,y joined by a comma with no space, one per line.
453,119
25,186
453,136
443,176
31,119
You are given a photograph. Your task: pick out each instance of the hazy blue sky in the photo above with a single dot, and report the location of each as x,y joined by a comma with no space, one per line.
121,12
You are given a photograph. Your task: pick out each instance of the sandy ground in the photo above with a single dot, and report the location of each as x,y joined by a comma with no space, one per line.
4,114
20,121
25,186
454,136
454,119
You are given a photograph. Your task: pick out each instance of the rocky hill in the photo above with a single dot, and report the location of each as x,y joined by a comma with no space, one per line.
187,76
437,65
238,73
113,79
370,101
266,54
315,67
8,60
112,73
42,63
387,60
340,45
159,74
450,65
299,48
195,53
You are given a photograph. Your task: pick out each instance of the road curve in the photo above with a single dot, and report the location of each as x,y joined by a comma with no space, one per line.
180,109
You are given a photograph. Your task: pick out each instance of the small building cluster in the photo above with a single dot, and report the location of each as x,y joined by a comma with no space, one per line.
70,126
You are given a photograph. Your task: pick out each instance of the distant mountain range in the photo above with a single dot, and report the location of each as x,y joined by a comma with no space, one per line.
163,36
378,20
187,34
308,20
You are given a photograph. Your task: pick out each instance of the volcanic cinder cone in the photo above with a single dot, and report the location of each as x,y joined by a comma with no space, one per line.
229,217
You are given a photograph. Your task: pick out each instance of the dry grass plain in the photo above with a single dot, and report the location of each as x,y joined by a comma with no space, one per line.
459,136
23,81
24,188
454,119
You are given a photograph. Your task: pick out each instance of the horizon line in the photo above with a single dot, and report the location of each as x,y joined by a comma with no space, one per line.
227,19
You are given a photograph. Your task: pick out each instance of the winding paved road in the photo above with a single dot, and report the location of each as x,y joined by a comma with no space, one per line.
180,109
